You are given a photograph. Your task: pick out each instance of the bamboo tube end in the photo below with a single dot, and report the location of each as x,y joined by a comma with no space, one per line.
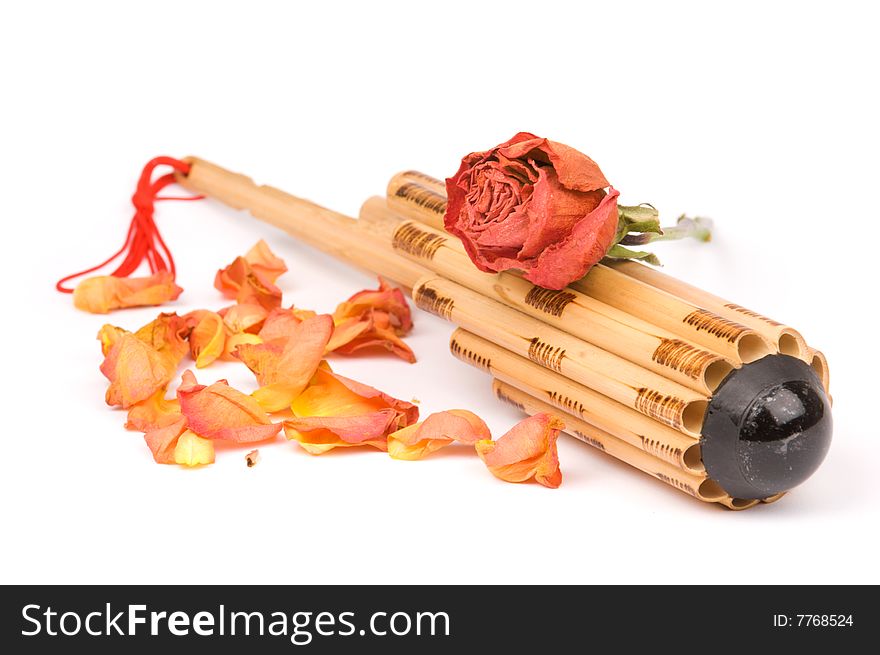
752,347
790,342
820,365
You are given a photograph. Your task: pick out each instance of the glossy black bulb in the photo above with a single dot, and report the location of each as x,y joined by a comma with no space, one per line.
767,428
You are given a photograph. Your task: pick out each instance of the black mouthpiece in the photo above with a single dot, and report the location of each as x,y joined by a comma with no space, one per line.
767,428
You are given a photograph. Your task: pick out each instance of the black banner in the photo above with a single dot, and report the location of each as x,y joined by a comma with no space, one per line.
430,619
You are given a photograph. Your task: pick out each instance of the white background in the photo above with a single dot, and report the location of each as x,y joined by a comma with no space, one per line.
763,116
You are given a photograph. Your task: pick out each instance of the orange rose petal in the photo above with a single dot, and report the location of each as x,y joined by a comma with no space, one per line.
265,262
373,319
233,341
208,339
330,394
157,411
105,293
241,282
220,412
248,317
163,441
193,450
435,432
284,366
279,324
108,335
387,299
527,451
167,334
318,434
136,371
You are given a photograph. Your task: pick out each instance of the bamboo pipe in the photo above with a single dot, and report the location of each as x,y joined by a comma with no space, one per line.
608,328
788,340
820,365
324,229
419,196
697,485
785,339
734,340
624,423
629,384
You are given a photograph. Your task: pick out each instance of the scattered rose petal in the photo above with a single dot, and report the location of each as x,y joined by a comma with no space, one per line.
167,334
220,412
234,341
193,450
248,317
163,441
157,411
207,339
244,284
279,324
527,451
105,293
108,335
318,434
265,262
252,458
136,371
373,319
284,366
435,432
335,411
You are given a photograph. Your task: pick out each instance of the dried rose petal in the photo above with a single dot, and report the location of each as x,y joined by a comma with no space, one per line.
167,334
527,451
234,341
104,293
252,458
318,434
157,411
162,441
208,339
220,412
108,335
136,371
265,262
284,366
373,319
335,411
193,450
280,324
248,317
435,432
244,284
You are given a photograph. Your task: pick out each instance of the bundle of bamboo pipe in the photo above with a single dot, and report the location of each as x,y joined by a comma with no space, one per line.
630,366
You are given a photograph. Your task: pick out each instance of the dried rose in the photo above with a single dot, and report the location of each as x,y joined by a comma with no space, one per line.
533,205
251,279
527,451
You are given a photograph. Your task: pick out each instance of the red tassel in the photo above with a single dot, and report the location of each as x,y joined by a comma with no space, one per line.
143,241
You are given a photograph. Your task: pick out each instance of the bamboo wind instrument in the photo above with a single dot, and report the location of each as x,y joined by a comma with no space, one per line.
640,372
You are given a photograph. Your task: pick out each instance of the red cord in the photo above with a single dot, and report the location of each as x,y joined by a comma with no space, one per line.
143,241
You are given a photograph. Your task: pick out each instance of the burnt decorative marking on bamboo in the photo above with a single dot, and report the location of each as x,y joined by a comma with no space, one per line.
422,197
749,312
549,301
470,356
428,299
703,319
660,449
415,241
666,409
546,355
424,177
595,443
499,393
683,357
678,484
565,402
